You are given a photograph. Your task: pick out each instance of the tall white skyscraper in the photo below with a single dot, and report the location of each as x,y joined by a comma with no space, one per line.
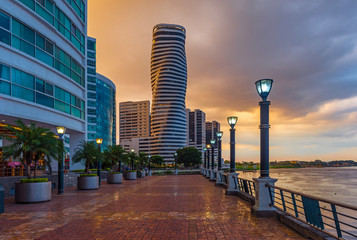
168,83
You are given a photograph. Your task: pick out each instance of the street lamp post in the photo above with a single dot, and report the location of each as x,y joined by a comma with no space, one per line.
61,131
212,177
99,142
262,206
204,161
232,121
219,158
149,165
132,159
175,155
208,172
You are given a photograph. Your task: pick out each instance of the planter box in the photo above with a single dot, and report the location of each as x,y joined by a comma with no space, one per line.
88,183
114,178
32,192
130,175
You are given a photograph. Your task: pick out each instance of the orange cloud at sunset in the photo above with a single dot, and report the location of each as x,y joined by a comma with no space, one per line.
308,49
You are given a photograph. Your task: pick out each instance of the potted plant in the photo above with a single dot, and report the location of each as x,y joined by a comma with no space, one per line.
88,181
130,175
90,154
114,153
114,177
31,143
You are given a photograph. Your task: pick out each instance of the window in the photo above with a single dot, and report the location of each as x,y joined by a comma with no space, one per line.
4,21
4,87
91,45
44,100
91,104
92,128
91,79
62,107
91,111
22,78
92,120
4,72
23,93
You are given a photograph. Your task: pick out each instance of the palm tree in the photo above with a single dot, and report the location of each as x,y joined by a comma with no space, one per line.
87,151
115,154
31,143
142,159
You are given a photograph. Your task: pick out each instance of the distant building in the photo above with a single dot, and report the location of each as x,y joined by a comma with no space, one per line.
168,83
106,110
101,105
211,133
134,120
196,129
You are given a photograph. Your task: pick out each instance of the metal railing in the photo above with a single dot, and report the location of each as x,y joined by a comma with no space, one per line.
336,219
245,185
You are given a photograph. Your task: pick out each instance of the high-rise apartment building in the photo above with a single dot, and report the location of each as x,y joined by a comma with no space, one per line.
134,120
211,133
101,112
196,129
42,64
168,83
106,110
91,89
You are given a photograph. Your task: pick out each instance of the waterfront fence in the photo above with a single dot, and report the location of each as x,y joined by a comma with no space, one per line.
336,219
245,185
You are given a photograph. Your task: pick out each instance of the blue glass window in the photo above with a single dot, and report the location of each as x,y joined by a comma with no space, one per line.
44,100
4,87
22,93
4,72
22,78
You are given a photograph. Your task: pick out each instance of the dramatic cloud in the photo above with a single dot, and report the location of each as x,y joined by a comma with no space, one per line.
307,47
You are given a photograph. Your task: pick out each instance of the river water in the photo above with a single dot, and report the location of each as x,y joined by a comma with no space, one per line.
334,183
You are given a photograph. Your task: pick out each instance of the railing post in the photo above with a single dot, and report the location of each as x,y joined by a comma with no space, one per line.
262,206
232,183
337,223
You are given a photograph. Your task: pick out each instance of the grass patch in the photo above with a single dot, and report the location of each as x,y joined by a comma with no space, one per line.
33,180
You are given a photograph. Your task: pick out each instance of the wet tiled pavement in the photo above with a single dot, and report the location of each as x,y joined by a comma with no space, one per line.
157,207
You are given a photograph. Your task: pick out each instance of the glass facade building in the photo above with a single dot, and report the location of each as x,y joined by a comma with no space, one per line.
43,64
106,111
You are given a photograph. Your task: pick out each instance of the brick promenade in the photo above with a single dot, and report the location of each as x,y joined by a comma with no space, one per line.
157,207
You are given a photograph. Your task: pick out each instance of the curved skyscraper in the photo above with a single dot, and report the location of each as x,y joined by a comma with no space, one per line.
168,83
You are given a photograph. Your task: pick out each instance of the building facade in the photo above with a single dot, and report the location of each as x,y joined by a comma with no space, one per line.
91,89
196,129
168,83
134,120
42,64
106,110
211,133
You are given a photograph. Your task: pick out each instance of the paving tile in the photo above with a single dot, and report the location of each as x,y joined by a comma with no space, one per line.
157,207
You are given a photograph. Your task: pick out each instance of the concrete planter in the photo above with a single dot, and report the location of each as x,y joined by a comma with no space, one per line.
130,175
115,178
88,183
32,192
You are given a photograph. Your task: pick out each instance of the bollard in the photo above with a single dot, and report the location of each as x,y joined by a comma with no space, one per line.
2,199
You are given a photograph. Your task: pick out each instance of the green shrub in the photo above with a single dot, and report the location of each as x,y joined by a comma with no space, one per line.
93,170
78,170
107,169
33,180
114,172
168,172
131,171
88,175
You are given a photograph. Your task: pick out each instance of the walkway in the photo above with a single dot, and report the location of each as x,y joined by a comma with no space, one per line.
157,207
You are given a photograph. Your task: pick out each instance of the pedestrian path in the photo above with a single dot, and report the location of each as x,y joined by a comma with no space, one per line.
157,207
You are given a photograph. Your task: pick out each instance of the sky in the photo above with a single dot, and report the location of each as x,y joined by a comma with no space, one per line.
308,47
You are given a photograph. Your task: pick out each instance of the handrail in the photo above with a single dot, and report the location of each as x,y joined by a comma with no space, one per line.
334,218
245,185
314,197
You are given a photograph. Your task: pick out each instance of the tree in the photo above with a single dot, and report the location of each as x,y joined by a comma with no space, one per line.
87,152
115,154
157,160
31,143
189,156
142,159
